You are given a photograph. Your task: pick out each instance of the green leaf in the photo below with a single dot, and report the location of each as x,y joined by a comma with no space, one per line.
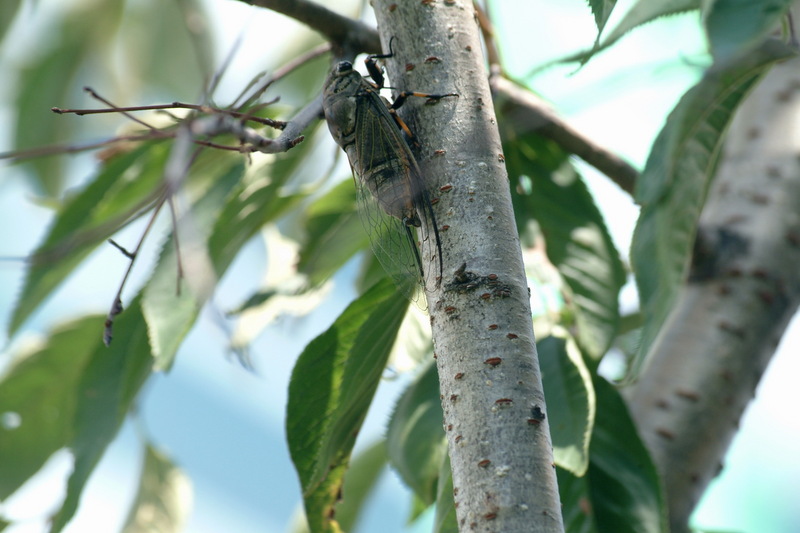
8,9
601,9
624,485
576,507
169,314
641,13
261,198
163,500
331,388
125,186
445,520
415,440
621,490
733,26
570,401
106,389
673,186
38,398
361,478
78,39
547,188
176,53
334,233
251,207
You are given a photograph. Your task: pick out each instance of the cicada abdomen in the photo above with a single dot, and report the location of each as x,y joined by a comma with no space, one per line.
393,200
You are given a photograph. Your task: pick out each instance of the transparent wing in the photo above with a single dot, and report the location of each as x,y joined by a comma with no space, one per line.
393,201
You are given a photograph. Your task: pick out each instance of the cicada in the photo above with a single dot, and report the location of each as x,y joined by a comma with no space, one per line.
394,203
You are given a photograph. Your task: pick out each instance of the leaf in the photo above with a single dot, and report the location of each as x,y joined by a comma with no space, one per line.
78,39
733,26
361,478
623,482
330,390
260,200
333,233
621,490
415,440
547,188
38,398
169,314
641,13
445,520
672,188
576,507
570,400
253,205
163,500
105,390
122,189
8,9
601,9
228,215
175,54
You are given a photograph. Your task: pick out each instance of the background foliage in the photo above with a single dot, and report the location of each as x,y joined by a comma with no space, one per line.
66,390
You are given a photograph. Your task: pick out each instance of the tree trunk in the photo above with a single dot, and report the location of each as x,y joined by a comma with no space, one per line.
494,409
742,291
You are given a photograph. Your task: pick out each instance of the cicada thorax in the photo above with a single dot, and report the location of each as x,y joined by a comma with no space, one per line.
393,200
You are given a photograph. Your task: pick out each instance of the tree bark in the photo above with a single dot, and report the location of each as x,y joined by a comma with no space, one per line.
743,289
494,409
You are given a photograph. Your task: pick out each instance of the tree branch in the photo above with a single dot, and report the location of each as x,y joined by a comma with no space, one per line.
348,34
529,113
742,291
502,463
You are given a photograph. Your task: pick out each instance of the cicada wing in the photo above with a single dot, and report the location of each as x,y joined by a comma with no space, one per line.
394,245
390,192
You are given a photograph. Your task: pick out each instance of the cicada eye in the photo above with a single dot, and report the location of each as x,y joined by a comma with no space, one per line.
344,67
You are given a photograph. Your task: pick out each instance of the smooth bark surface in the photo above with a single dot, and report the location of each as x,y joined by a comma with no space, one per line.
742,291
491,391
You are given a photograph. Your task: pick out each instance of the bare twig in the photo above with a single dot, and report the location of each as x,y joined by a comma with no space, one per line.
283,71
121,248
59,149
492,50
116,307
277,124
94,94
529,113
179,273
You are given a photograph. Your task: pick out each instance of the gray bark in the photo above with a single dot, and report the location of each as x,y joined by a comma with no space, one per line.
500,448
742,291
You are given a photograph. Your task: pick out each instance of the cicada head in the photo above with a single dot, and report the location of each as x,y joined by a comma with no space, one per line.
339,101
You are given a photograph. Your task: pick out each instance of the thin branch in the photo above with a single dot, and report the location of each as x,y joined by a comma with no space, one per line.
291,135
346,33
487,31
529,113
59,149
285,70
277,124
121,248
94,94
116,307
178,256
